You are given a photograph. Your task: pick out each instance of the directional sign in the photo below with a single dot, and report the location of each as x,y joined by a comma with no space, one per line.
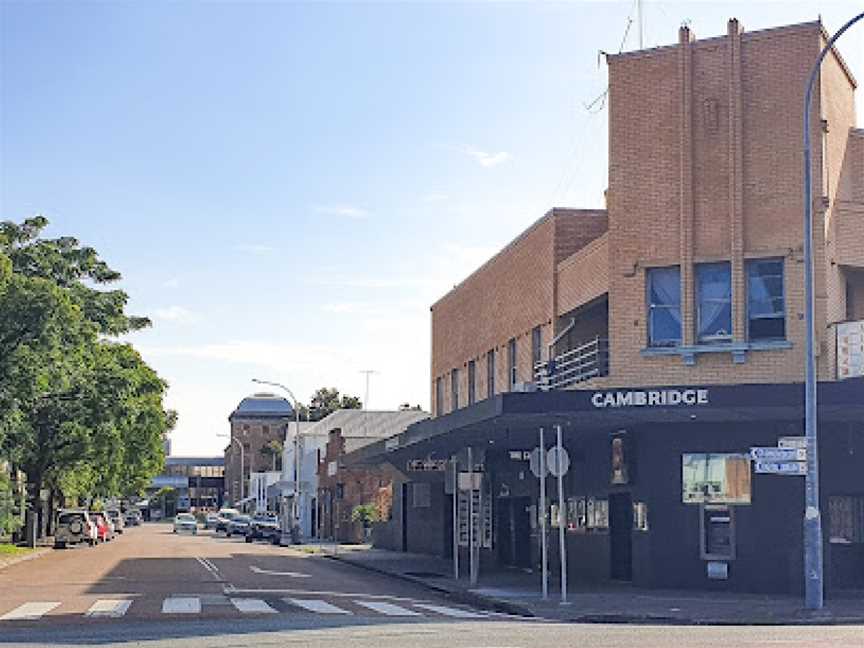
534,462
558,463
778,454
780,467
792,442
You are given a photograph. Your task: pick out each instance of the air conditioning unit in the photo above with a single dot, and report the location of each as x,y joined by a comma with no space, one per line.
524,387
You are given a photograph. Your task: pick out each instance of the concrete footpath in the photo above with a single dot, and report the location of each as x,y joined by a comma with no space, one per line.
518,592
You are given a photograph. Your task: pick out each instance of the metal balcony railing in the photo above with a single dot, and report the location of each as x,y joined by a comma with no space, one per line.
589,360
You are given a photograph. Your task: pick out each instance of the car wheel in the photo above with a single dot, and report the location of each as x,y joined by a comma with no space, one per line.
248,538
59,545
227,534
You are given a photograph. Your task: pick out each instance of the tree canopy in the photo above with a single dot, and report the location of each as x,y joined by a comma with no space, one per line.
326,400
81,413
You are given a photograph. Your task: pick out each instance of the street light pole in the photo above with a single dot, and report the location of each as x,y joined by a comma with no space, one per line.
295,504
813,563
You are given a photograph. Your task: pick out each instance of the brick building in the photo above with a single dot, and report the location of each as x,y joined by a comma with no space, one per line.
256,423
342,487
666,336
704,214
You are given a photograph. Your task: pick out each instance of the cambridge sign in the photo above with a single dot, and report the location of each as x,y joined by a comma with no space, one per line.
650,398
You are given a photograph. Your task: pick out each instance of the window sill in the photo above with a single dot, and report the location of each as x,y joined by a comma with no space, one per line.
738,350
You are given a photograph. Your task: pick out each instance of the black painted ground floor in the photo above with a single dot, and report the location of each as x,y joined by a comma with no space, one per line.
664,495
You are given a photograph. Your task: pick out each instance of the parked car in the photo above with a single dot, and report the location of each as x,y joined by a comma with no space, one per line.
104,530
132,517
116,519
74,526
238,525
225,516
211,520
264,526
185,522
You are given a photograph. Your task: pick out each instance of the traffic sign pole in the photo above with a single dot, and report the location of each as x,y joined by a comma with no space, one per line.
562,550
543,556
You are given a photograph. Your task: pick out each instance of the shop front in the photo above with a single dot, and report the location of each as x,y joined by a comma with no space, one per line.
662,488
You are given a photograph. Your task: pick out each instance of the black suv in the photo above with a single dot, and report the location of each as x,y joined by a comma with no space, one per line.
264,526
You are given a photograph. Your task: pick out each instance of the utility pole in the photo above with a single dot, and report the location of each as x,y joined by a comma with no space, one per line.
639,22
368,373
814,590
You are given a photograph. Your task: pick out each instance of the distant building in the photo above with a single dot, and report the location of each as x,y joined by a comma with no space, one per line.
198,482
258,424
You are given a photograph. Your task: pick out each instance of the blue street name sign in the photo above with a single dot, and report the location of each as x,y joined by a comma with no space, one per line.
778,454
780,467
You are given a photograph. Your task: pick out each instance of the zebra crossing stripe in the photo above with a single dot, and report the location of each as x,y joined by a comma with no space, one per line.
252,606
181,605
387,609
316,605
109,608
456,613
29,611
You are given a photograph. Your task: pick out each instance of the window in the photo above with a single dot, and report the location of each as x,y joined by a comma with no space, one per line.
511,362
439,396
846,519
536,347
766,308
490,373
664,306
454,389
340,491
472,379
715,478
714,295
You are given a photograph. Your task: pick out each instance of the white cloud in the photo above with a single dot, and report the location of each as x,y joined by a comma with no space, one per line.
346,211
174,314
173,282
255,248
488,160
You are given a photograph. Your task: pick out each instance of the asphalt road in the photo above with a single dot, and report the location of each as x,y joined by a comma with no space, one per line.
151,587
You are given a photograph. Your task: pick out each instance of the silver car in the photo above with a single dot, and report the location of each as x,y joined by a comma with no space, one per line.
185,522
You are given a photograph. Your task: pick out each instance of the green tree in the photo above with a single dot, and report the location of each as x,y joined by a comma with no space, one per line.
77,410
272,450
326,400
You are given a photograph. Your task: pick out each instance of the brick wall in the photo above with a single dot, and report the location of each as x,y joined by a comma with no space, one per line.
506,298
583,276
254,434
705,141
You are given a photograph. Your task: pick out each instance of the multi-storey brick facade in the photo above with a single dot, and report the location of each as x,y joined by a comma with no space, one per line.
259,420
705,167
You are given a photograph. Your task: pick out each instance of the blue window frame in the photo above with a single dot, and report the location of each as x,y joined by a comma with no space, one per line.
664,306
714,302
766,300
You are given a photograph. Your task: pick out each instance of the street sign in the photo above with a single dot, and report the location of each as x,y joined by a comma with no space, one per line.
792,442
558,464
778,454
534,462
780,467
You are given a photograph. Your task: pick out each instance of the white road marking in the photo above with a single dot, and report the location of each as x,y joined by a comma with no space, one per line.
181,605
252,606
109,608
451,612
268,572
230,589
388,609
32,610
317,605
209,566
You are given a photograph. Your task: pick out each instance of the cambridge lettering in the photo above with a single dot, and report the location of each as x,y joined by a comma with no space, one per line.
650,398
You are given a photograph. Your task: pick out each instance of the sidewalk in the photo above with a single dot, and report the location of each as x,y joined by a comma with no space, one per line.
518,592
7,561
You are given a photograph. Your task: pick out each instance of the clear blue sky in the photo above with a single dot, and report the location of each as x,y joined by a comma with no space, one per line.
287,188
